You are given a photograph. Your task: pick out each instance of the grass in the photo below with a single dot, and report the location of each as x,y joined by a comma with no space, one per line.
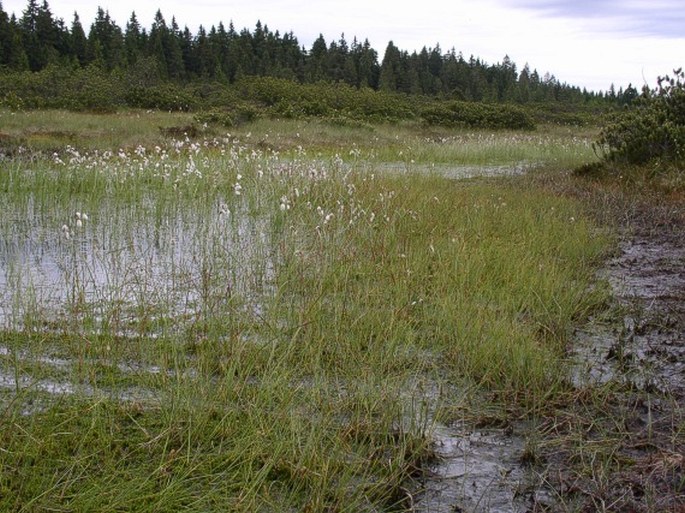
618,446
408,143
52,130
251,326
412,144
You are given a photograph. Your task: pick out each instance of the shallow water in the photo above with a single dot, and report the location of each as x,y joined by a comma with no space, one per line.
478,470
166,261
456,171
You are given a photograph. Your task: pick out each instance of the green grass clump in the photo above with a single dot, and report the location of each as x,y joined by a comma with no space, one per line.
484,278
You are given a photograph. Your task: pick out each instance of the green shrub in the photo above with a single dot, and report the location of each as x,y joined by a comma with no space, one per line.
92,89
287,99
166,96
478,115
12,101
565,114
55,87
652,128
229,116
37,90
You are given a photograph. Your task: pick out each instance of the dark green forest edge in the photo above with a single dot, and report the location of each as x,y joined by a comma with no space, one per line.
228,77
233,76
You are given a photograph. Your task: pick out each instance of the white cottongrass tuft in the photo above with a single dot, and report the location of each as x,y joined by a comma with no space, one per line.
80,218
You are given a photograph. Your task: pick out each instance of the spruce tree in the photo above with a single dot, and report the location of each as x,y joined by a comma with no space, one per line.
12,54
134,41
106,42
79,42
317,62
391,69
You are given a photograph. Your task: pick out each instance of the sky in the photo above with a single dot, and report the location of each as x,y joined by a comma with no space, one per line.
586,43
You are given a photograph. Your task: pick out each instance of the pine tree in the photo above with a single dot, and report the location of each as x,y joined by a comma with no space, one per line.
506,78
454,76
524,84
203,62
172,52
368,69
292,56
158,34
106,42
134,40
335,63
220,42
317,61
39,34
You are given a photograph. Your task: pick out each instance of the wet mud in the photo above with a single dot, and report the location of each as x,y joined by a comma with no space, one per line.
647,349
627,451
476,470
618,443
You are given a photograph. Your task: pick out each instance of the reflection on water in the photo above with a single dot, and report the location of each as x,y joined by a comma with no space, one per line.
458,172
119,263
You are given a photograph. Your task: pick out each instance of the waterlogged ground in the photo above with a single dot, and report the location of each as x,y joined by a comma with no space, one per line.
639,361
108,265
194,268
621,453
110,259
478,469
646,351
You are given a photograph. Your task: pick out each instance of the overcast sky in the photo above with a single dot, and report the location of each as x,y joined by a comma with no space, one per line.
588,43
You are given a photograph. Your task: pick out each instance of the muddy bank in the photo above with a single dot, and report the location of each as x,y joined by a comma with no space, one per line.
620,446
646,349
617,442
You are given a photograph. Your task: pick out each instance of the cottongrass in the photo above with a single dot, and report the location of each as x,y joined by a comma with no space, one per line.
270,350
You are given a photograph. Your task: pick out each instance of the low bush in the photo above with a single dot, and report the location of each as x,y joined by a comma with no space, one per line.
229,116
478,115
162,97
84,89
651,129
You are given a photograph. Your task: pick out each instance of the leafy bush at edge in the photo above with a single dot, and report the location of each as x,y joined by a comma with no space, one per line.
652,128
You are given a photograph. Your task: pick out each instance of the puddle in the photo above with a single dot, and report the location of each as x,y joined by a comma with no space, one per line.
647,350
457,172
478,470
58,388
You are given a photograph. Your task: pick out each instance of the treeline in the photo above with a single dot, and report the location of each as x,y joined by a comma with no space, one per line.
167,53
